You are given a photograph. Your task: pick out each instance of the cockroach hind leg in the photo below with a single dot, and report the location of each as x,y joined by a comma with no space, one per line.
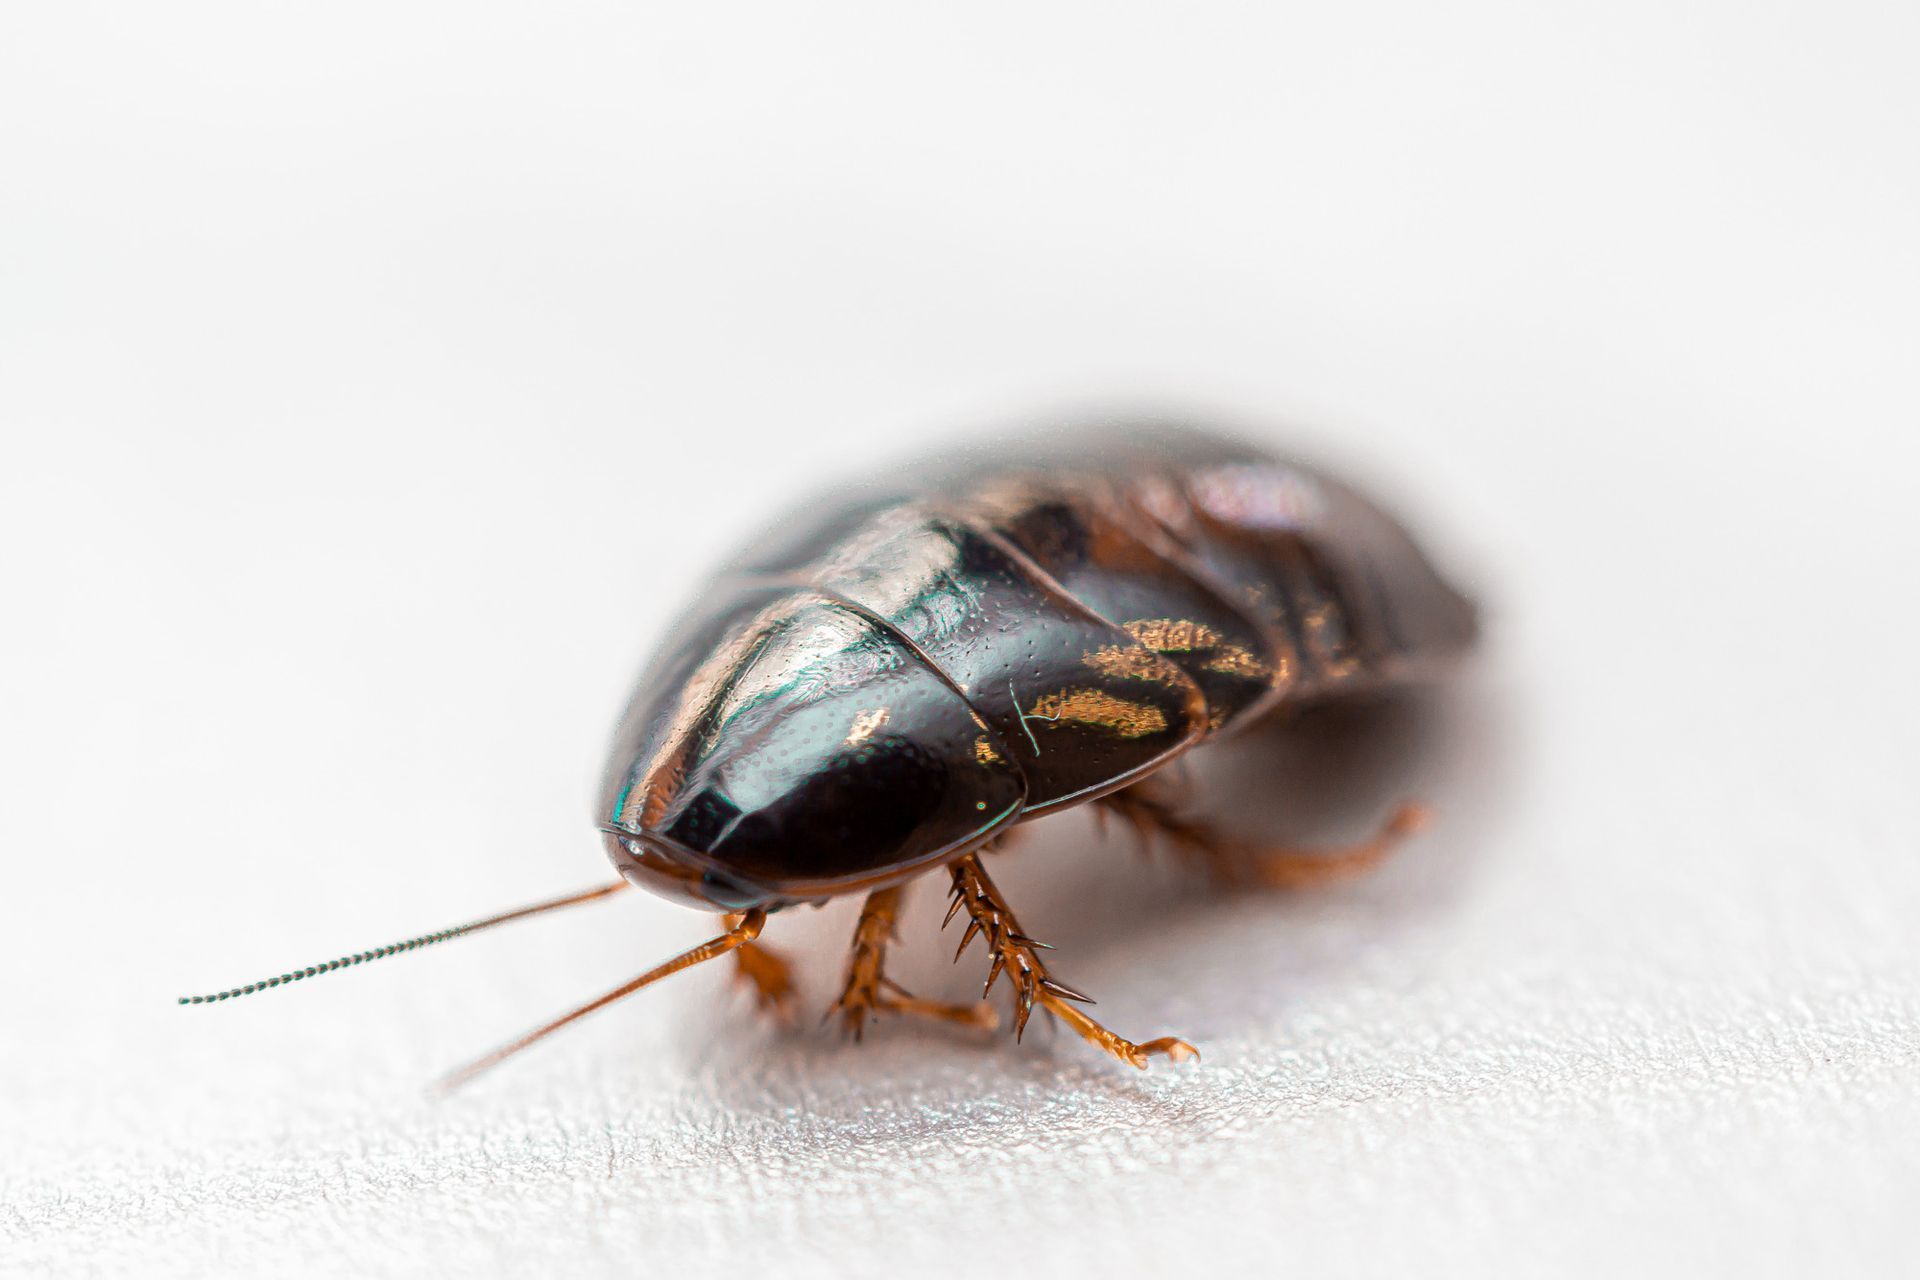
769,974
1284,868
1152,815
1173,1048
1018,956
868,990
1238,861
979,1015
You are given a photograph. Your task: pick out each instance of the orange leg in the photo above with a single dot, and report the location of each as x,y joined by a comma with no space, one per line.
1018,956
744,929
1240,862
868,990
767,972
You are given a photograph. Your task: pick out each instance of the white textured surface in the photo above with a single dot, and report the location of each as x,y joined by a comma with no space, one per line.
376,378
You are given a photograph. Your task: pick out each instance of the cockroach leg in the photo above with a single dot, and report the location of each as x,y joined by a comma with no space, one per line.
1018,956
767,972
751,922
868,990
1282,868
1237,861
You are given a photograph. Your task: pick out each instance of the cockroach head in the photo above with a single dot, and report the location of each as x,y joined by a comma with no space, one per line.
796,751
662,866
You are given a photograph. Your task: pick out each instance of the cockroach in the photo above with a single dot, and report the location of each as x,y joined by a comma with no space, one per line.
887,686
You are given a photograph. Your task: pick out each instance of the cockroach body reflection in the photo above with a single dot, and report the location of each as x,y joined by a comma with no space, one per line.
887,687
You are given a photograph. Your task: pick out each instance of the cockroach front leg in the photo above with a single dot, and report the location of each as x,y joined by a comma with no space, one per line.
766,971
1018,956
1237,861
868,990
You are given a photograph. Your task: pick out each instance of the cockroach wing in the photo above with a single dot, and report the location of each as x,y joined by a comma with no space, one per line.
1082,706
1117,560
1354,597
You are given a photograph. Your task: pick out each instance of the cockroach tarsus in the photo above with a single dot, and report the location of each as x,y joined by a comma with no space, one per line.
885,688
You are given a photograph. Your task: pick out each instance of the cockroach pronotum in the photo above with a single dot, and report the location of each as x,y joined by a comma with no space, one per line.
888,686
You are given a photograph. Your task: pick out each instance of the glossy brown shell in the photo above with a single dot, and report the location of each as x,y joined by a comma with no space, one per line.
884,682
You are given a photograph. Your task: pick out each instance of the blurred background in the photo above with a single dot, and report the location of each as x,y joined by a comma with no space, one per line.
376,380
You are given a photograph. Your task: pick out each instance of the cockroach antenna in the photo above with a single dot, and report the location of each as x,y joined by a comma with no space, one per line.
743,929
411,944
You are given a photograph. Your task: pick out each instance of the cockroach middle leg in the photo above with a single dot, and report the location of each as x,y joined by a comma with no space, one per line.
868,990
1238,861
1018,956
766,971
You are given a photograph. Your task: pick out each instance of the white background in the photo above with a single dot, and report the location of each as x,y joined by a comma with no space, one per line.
376,378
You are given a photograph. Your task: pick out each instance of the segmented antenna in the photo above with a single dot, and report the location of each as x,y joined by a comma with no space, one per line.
411,944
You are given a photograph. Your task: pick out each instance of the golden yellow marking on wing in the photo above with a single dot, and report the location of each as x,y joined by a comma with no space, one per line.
1331,643
865,724
1178,635
1097,707
983,751
1172,635
1236,660
1128,662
